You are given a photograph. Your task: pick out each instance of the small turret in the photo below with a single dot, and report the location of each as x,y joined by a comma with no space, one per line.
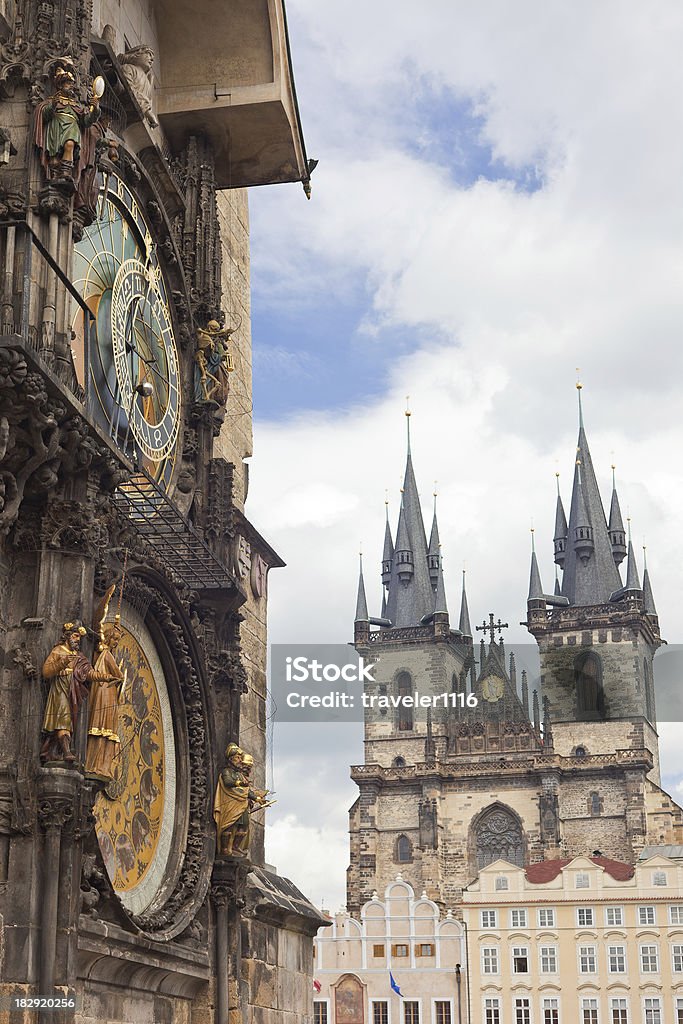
535,601
433,556
583,531
464,624
617,534
560,537
632,587
648,598
362,619
388,552
525,691
403,553
440,607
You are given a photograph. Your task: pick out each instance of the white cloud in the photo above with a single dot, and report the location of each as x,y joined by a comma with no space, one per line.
516,289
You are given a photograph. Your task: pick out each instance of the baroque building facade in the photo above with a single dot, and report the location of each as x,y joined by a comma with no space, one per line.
133,587
493,771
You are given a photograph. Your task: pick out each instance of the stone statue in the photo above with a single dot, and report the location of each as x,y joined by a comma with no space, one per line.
61,127
234,802
136,65
69,673
212,363
105,693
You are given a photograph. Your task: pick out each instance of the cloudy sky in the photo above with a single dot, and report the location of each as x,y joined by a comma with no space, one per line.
499,200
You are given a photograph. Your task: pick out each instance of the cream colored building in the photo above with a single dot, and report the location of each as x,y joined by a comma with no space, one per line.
400,936
588,940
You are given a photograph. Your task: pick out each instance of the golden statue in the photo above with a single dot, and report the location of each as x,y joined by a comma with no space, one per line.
234,802
69,673
213,363
105,695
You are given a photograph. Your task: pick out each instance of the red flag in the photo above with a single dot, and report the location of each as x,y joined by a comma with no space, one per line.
316,985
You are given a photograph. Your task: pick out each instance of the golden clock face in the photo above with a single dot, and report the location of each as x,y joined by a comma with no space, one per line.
135,812
493,688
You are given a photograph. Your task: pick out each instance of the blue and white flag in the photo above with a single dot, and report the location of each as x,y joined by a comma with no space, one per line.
394,986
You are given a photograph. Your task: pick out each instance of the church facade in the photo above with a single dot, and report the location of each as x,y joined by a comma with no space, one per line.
133,587
504,769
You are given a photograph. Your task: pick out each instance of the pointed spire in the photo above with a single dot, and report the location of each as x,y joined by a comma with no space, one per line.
558,588
361,603
525,692
537,716
560,535
617,534
632,577
383,613
535,585
513,671
403,551
433,556
464,624
388,552
440,607
648,598
590,575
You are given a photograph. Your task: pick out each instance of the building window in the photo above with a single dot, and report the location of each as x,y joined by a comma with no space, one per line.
595,805
489,960
546,917
676,913
587,960
619,1011
399,762
319,1011
489,919
551,1010
580,752
582,881
548,959
404,850
616,959
499,837
590,698
411,1011
518,919
492,1010
442,1011
646,915
501,883
589,1011
659,878
677,959
400,949
614,917
378,950
380,1011
585,917
424,949
679,1011
520,959
653,1010
404,688
522,1011
649,959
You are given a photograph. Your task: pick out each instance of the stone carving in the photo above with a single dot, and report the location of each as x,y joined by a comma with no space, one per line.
499,836
234,802
42,34
213,363
61,124
259,574
243,557
103,733
136,65
69,674
55,813
197,232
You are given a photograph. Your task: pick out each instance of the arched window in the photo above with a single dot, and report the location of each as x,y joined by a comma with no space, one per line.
399,762
499,836
580,752
404,688
404,850
590,697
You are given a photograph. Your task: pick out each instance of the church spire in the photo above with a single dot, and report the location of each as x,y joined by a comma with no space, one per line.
648,598
590,575
535,585
388,552
361,602
560,536
617,534
440,607
632,577
464,625
433,556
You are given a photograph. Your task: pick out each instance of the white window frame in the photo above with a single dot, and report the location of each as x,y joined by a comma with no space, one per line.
553,917
496,950
622,956
502,883
520,911
443,999
674,956
582,1007
659,1008
614,924
498,1007
555,958
582,880
612,1008
373,1000
585,910
512,961
678,908
488,927
558,1007
326,1000
420,1017
678,1009
529,1000
649,945
660,878
593,956
644,911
